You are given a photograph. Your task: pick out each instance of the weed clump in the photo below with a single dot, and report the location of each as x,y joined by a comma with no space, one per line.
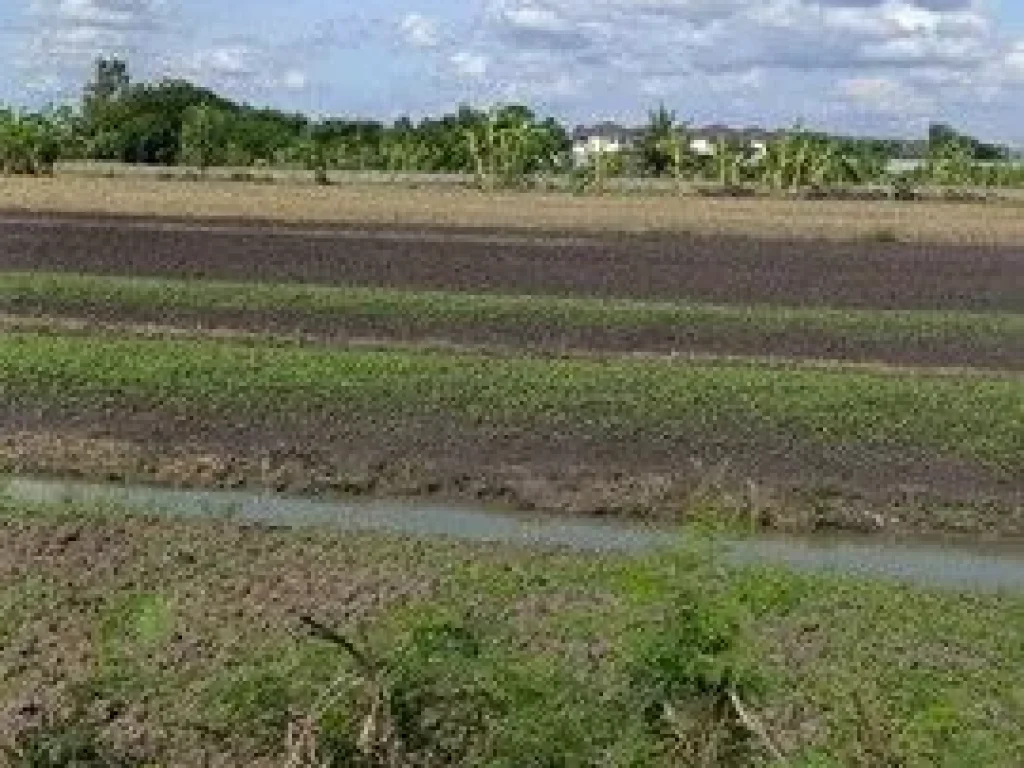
452,690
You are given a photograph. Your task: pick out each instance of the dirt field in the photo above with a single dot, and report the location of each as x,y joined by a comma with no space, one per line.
881,485
127,639
938,355
770,478
926,222
149,641
720,269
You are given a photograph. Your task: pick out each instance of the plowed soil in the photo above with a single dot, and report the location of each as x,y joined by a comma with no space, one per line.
537,336
863,486
720,269
769,478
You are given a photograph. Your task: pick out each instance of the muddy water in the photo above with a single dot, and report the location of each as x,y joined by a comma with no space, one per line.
959,565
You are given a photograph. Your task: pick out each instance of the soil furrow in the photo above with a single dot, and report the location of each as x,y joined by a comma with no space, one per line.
720,269
931,357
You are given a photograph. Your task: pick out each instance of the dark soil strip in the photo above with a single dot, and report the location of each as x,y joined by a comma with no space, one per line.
714,269
770,478
550,338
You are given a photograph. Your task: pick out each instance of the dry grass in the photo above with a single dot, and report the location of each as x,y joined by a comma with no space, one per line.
958,223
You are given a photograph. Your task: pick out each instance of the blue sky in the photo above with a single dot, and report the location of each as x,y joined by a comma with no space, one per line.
880,66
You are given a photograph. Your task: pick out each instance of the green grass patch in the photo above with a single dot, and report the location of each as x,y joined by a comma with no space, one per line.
976,417
430,308
513,658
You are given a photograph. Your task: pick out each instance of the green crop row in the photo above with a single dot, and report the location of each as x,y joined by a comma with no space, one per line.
975,416
42,290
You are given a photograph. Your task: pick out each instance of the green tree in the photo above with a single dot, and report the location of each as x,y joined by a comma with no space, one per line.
104,116
29,143
202,136
663,146
110,82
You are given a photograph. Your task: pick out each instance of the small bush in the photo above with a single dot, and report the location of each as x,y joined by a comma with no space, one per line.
75,740
689,667
885,235
457,691
904,190
61,745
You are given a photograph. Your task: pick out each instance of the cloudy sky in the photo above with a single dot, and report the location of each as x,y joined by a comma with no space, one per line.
860,65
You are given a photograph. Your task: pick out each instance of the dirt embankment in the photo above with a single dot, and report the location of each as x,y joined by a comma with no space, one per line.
766,478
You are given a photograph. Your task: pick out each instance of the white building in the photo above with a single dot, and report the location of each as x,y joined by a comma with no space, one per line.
609,138
604,138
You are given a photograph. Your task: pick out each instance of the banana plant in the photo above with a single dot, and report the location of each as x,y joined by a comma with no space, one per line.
482,142
28,143
830,166
777,168
404,154
728,159
675,144
949,165
505,148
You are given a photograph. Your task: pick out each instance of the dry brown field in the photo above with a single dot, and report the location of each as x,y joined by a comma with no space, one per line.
958,223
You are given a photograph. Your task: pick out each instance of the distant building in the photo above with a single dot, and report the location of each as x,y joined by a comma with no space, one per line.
603,138
703,146
611,138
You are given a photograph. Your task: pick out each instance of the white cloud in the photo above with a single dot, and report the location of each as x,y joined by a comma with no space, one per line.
63,37
294,80
804,56
469,64
420,31
229,60
241,67
108,14
1011,68
884,94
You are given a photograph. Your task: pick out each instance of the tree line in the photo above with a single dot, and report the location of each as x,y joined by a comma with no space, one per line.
175,122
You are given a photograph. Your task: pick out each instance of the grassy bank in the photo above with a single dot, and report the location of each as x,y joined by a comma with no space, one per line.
924,222
972,417
147,640
425,309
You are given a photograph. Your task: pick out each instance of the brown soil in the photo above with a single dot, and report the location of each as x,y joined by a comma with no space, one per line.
236,593
722,269
956,223
795,486
963,355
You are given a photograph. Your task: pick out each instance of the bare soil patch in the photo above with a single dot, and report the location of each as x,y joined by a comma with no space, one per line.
726,269
923,222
